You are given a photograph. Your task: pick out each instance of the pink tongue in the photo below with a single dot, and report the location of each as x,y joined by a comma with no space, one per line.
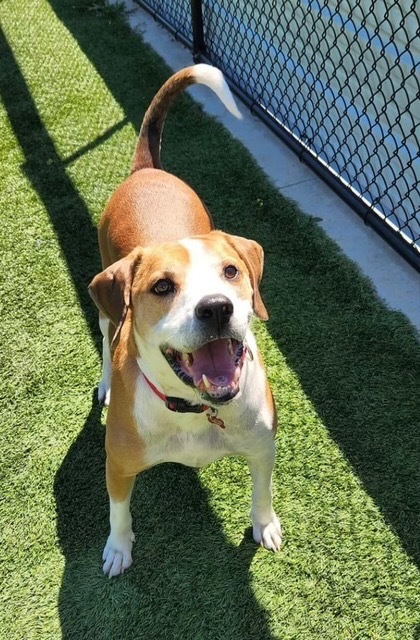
215,362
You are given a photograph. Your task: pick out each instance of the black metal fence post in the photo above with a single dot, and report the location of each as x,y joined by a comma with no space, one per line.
199,45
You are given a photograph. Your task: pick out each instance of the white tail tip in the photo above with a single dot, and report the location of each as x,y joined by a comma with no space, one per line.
213,78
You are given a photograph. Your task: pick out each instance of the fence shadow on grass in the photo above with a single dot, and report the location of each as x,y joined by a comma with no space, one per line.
44,169
178,568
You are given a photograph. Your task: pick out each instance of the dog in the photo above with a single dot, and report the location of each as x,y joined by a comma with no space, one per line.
182,373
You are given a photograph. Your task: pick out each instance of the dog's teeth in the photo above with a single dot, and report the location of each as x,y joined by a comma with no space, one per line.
230,348
206,382
187,359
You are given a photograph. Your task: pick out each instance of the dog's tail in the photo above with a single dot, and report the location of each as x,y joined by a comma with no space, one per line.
147,152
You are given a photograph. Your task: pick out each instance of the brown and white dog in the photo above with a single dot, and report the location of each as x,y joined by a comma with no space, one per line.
181,370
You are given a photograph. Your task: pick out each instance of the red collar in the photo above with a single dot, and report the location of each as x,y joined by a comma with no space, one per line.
179,405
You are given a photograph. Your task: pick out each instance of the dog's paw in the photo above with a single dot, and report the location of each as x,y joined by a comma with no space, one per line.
117,554
104,393
268,535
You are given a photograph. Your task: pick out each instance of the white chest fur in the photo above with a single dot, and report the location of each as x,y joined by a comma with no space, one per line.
187,438
194,448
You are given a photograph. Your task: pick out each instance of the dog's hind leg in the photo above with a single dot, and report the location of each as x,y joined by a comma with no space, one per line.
104,388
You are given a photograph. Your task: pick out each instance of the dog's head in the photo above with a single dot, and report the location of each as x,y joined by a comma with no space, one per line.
191,303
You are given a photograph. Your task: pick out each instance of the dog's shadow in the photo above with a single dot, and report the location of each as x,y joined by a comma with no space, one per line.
184,572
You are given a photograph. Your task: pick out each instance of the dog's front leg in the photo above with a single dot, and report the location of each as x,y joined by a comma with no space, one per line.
117,553
266,528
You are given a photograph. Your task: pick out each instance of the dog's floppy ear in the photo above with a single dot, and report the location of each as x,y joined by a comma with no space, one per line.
252,254
111,289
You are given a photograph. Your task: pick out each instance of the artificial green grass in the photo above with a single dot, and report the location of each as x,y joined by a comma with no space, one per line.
345,372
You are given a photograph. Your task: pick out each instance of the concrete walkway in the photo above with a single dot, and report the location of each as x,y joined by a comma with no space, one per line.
396,282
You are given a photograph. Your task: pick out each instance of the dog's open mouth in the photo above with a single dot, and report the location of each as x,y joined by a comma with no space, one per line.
214,369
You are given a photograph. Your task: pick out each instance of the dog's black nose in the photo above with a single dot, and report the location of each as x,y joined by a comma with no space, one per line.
215,311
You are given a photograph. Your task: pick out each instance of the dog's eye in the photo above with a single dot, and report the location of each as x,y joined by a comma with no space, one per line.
231,272
163,287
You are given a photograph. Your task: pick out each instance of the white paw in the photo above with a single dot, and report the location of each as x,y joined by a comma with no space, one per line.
104,392
267,534
117,554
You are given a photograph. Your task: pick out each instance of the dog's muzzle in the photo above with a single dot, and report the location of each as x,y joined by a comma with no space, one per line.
214,365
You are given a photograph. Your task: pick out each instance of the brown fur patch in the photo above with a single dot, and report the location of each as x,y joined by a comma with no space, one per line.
149,206
163,262
124,446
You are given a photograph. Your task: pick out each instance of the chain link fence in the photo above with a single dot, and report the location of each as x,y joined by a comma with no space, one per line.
338,80
175,15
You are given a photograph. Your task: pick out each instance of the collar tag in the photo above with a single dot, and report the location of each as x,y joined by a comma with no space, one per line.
213,419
